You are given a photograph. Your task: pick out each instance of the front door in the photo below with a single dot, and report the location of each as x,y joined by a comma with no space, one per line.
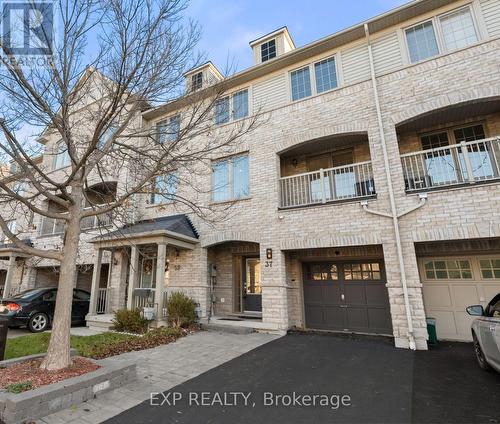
347,296
252,294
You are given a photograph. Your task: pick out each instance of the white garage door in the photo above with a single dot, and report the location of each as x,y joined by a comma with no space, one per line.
450,284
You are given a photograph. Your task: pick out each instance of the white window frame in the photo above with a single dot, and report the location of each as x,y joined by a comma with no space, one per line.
168,121
275,50
57,153
436,24
312,75
231,106
163,200
231,197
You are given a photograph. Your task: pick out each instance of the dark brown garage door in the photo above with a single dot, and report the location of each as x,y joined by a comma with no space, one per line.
347,296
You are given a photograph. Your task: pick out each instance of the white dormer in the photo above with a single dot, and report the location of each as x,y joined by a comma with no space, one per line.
202,77
272,45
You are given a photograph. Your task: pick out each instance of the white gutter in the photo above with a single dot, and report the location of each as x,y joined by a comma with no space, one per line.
394,212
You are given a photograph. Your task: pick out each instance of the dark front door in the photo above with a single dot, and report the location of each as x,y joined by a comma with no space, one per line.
347,296
252,294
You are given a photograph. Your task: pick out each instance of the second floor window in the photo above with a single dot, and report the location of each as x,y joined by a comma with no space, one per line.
230,179
447,32
168,130
301,83
61,158
326,75
11,225
232,107
164,188
222,111
314,78
106,136
268,50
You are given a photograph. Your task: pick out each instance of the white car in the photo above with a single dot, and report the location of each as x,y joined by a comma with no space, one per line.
486,333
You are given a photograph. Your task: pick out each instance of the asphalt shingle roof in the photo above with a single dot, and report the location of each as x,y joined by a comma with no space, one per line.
180,224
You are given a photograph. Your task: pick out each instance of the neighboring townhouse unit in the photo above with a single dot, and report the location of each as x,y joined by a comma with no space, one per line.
367,199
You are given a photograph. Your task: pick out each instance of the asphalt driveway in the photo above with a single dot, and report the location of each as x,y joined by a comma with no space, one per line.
366,380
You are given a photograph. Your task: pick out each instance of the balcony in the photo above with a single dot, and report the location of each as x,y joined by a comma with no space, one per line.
327,185
452,165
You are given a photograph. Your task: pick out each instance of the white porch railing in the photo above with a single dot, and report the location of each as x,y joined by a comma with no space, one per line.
103,299
143,297
327,185
53,227
464,163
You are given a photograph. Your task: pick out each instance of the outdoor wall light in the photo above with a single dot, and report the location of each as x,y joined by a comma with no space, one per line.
294,162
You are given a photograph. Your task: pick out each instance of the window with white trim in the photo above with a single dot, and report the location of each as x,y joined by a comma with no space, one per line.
444,33
458,29
230,179
232,107
164,188
268,50
11,225
315,78
197,81
106,136
168,129
61,158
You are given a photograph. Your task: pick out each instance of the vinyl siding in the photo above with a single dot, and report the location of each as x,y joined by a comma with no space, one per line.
491,15
270,94
355,64
387,54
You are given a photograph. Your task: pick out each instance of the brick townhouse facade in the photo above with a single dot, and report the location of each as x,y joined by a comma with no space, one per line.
367,200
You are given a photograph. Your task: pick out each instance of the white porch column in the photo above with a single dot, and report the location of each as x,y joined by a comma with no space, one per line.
96,278
133,275
10,275
160,278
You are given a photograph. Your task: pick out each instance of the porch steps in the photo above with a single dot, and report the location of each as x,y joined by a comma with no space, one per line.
99,322
227,328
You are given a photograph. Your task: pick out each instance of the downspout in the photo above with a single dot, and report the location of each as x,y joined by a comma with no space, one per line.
394,213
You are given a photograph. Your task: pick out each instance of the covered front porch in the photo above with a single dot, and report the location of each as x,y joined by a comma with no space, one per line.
139,276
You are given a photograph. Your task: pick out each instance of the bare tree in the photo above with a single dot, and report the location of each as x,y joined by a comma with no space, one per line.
112,60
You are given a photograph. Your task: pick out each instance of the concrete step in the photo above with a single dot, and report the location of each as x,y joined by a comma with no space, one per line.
227,328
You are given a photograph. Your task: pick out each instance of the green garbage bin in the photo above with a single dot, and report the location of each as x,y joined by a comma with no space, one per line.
431,330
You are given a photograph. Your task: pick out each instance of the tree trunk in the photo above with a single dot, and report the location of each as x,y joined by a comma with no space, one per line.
58,353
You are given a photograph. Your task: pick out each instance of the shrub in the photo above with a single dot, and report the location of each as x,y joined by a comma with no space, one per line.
181,310
16,388
130,321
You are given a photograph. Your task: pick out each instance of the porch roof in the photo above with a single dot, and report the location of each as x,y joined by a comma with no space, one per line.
177,230
10,249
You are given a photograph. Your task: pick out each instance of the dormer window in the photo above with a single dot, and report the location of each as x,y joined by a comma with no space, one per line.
268,50
197,81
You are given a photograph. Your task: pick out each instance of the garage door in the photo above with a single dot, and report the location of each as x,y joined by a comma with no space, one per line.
450,284
346,296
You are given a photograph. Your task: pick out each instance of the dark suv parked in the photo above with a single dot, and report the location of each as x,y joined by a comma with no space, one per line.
35,308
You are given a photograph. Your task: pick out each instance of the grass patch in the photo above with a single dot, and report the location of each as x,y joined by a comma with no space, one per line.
97,346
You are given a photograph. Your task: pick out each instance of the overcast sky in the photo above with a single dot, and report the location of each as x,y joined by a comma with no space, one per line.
229,25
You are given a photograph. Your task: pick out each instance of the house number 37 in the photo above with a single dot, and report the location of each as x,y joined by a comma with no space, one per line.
268,264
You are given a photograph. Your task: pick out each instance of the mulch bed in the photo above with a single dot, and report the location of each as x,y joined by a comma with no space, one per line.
30,371
147,341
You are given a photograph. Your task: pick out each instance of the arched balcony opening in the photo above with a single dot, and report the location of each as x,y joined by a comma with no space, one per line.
457,145
325,170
